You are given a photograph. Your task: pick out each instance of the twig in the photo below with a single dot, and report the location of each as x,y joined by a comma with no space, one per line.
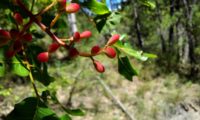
69,101
114,99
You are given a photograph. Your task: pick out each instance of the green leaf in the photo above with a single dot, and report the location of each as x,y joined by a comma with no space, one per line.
19,68
32,109
75,112
100,21
149,3
107,22
96,7
42,75
153,56
2,69
125,68
2,63
130,51
65,117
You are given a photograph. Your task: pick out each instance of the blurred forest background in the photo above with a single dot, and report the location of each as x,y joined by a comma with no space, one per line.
167,87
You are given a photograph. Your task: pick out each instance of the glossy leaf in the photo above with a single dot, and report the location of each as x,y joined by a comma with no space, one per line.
75,112
125,68
2,63
19,68
148,3
42,75
96,7
32,109
65,117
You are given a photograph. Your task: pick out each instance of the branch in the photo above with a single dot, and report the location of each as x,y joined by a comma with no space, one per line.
40,24
114,99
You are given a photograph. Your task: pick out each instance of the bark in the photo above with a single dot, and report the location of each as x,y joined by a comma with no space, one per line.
72,23
161,34
137,27
171,28
189,29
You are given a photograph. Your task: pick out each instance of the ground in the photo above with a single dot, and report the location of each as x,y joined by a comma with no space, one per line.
150,96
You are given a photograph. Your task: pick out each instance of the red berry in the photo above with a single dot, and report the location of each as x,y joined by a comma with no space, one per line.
14,33
76,36
73,52
85,34
4,35
27,37
72,8
10,53
53,47
110,52
18,18
113,39
43,57
62,4
95,49
98,66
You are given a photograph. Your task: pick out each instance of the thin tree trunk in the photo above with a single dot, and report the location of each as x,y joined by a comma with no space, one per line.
163,44
189,29
171,28
137,27
72,23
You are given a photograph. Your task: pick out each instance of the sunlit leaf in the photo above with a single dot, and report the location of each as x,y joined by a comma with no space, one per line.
130,51
19,68
96,7
75,112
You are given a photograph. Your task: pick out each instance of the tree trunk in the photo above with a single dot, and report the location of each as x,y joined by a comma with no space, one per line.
189,29
160,32
72,23
137,27
171,28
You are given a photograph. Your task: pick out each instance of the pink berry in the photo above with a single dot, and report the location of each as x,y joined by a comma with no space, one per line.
73,52
76,36
113,39
53,47
95,49
98,66
43,57
72,8
85,34
27,37
110,52
18,18
5,35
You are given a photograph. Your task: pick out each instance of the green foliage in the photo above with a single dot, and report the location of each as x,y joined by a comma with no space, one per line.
25,61
149,3
19,68
96,7
126,48
2,63
125,68
33,109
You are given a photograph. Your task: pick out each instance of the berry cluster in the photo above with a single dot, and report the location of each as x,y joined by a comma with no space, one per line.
16,38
